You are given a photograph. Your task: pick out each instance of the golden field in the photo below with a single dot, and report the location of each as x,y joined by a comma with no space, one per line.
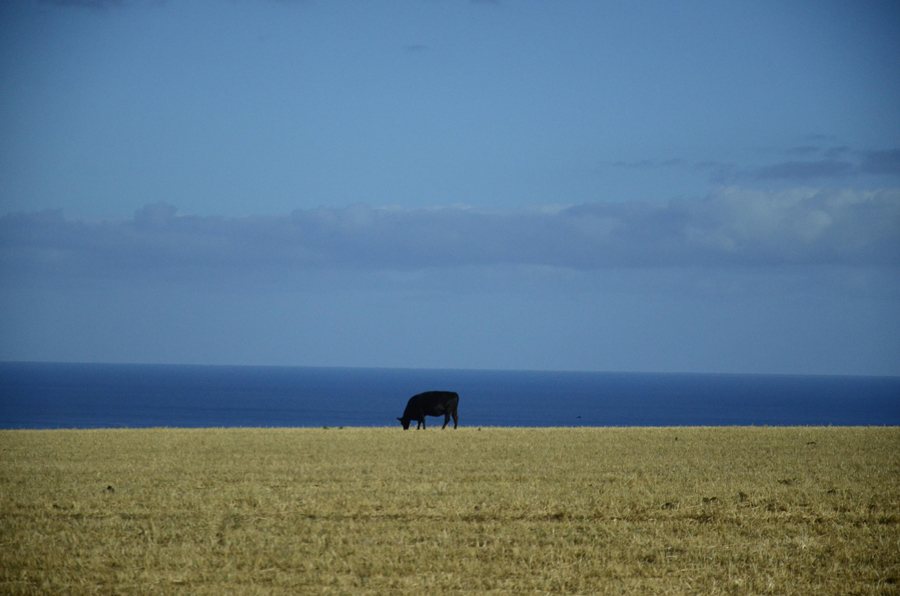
743,510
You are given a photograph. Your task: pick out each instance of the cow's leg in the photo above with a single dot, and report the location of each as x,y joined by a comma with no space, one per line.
446,420
455,419
422,422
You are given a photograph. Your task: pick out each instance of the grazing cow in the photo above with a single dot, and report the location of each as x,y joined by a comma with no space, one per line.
431,403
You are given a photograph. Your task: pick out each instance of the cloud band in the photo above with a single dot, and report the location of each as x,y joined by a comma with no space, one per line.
732,227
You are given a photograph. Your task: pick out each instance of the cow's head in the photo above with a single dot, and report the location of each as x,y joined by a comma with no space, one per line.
405,423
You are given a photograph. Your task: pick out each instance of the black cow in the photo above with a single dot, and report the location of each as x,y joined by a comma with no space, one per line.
431,403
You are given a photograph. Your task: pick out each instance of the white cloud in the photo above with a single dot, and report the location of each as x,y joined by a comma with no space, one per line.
732,227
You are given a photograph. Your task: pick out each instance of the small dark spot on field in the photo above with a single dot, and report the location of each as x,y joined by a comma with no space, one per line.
786,481
811,443
742,496
669,505
708,500
110,489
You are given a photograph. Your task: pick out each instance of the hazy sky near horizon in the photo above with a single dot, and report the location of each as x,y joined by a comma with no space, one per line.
646,186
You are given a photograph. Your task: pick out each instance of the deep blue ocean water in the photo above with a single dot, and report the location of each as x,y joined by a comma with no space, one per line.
45,395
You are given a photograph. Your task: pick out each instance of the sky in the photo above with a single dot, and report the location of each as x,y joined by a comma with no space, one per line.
576,185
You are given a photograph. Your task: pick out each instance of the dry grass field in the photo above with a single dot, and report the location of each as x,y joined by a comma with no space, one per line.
490,511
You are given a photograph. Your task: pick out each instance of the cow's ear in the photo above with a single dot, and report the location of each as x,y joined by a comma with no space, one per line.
400,419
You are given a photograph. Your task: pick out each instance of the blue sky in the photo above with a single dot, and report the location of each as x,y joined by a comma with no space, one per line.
704,186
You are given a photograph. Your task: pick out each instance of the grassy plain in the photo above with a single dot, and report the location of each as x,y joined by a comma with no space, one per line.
744,510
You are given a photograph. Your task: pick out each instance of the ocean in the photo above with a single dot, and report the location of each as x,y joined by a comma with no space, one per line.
54,395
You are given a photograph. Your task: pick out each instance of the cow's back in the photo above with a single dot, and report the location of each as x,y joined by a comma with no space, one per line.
437,403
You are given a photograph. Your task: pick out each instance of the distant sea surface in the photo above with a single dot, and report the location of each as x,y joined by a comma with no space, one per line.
45,395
